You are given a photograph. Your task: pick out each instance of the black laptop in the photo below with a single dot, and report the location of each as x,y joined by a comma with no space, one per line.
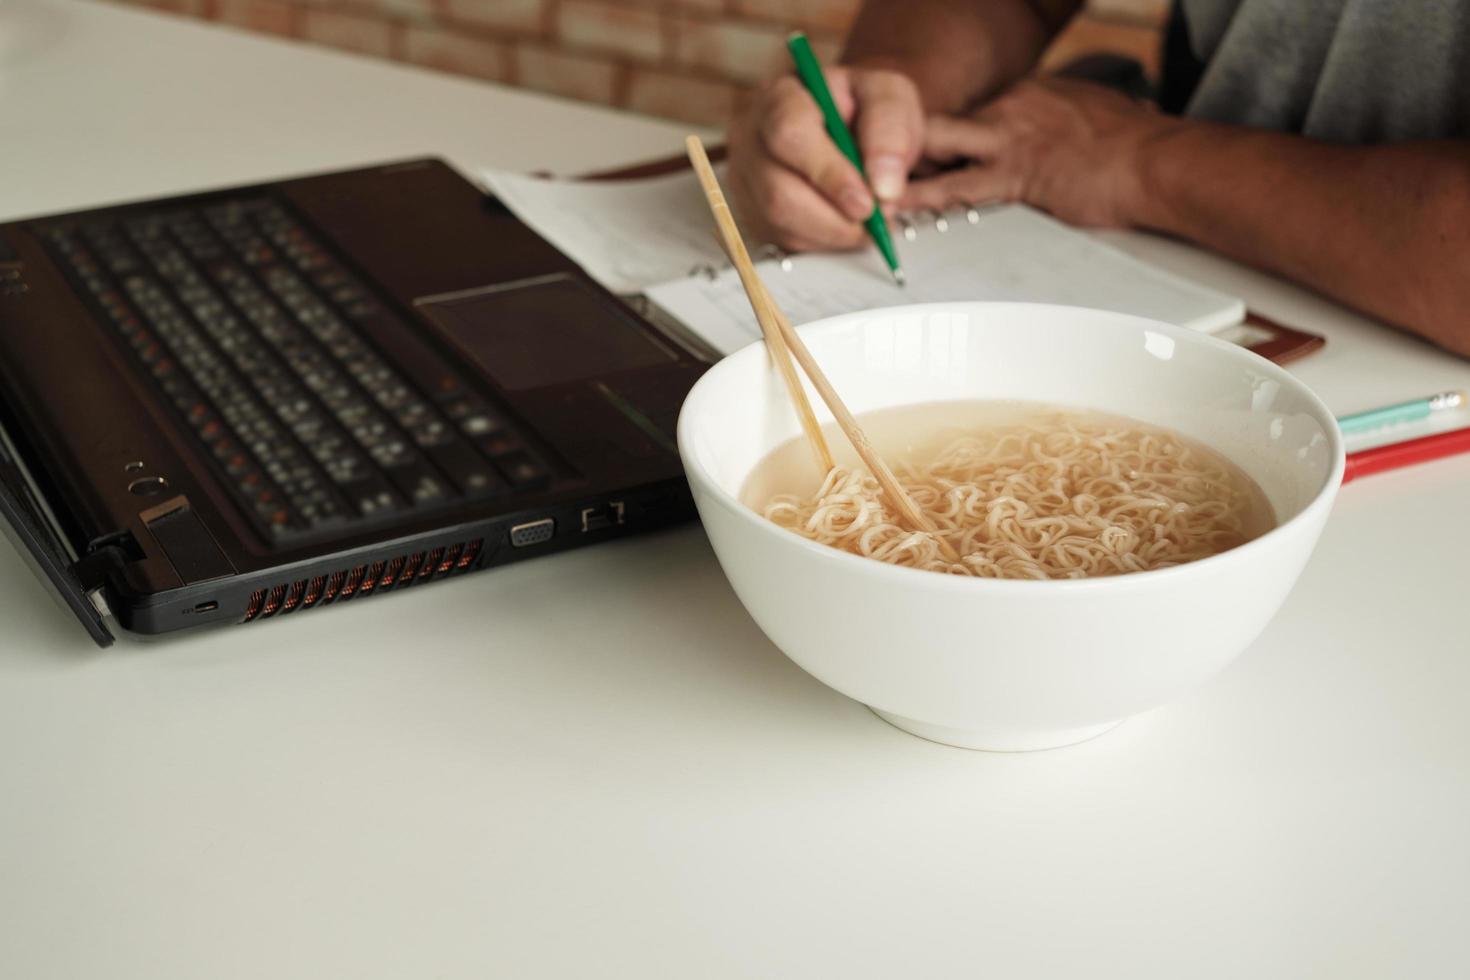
248,404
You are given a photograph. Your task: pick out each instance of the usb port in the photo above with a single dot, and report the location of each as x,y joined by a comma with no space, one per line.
532,532
598,518
204,607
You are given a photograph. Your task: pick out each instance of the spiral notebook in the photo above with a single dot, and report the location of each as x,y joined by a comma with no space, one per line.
654,237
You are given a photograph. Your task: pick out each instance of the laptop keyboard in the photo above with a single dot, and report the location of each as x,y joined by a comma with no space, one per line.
251,330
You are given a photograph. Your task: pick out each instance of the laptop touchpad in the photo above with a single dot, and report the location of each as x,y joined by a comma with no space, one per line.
545,331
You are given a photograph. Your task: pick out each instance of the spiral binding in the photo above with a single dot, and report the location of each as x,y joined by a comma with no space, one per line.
908,225
761,254
940,219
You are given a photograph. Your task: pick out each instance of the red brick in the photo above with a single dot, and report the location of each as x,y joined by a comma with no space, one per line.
674,6
584,77
410,9
193,7
516,16
269,16
829,15
455,53
351,32
1087,35
696,100
631,31
737,51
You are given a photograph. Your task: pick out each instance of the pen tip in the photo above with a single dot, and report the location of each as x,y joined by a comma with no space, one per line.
900,278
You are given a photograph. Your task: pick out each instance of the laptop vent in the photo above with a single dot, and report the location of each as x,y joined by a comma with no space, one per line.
364,580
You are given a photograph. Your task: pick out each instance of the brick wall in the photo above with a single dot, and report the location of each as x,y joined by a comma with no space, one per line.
684,59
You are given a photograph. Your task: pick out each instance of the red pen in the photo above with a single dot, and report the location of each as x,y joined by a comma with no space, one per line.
1401,454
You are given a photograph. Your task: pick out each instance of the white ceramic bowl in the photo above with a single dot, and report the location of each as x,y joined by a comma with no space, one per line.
1014,665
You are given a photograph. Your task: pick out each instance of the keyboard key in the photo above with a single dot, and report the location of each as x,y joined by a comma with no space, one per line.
468,470
500,444
421,483
372,496
481,425
523,472
431,433
392,453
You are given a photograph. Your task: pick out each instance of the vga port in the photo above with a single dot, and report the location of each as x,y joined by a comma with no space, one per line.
532,532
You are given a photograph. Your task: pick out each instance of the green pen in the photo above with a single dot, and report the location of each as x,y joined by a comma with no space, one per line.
1402,412
809,70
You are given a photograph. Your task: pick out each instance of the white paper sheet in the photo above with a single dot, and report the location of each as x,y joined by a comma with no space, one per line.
627,234
1009,253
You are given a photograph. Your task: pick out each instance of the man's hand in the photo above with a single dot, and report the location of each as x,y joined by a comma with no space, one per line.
1067,147
790,182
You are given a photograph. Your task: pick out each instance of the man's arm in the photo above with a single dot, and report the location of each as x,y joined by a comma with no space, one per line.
1385,229
956,52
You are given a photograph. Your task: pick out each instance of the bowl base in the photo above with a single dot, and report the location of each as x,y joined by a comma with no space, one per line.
990,741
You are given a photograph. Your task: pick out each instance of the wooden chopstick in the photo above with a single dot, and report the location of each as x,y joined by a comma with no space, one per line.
781,356
859,439
774,322
774,340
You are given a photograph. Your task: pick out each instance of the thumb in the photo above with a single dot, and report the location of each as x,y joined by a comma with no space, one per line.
890,129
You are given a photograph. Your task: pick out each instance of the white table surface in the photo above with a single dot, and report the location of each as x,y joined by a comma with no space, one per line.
594,765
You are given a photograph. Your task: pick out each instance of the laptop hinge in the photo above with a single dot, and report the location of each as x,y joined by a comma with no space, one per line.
94,568
27,521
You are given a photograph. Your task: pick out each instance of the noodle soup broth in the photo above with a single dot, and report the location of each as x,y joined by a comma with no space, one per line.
1020,489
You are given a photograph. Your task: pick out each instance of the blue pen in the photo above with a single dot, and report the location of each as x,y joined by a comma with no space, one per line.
1412,411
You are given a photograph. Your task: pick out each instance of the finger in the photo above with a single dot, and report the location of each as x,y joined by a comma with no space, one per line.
746,205
890,129
947,138
801,244
839,83
982,184
794,215
746,156
795,135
